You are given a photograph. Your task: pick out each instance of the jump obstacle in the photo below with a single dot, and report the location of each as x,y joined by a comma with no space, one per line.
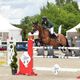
28,69
74,53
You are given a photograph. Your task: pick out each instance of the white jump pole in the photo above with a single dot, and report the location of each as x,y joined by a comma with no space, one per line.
56,69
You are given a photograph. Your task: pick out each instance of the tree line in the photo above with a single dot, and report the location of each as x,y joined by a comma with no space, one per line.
65,12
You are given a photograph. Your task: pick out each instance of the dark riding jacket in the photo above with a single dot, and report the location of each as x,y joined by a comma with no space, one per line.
47,24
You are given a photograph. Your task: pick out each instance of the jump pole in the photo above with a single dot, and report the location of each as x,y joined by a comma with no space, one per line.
30,52
28,69
56,68
26,61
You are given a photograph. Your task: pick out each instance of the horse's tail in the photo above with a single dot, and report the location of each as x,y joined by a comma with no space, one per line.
67,44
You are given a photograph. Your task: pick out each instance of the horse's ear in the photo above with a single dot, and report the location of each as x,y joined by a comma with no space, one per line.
35,23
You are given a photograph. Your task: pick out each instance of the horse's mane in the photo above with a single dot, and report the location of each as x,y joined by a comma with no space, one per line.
42,28
50,35
45,29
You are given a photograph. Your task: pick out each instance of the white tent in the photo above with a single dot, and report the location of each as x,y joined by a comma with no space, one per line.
8,31
74,28
73,31
73,35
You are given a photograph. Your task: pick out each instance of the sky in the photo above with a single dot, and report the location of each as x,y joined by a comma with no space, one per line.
16,10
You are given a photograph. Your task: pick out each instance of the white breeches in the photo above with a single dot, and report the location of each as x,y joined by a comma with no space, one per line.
51,30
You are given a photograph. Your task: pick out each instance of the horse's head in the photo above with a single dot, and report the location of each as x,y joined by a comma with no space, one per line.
35,26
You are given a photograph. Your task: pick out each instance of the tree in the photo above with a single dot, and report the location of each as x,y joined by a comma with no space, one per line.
60,2
26,27
74,3
69,1
65,13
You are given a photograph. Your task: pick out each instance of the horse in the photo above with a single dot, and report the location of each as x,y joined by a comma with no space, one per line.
47,39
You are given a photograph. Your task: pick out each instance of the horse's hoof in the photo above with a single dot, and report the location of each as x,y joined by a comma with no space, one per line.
55,57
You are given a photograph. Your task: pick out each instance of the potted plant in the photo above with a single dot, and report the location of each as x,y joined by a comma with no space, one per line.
13,64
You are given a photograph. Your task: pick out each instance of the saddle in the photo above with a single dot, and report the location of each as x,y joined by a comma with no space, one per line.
53,36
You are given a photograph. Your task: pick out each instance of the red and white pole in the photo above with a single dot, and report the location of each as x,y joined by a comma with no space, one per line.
30,52
28,67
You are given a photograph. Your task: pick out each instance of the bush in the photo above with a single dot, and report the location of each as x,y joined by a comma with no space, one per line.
13,64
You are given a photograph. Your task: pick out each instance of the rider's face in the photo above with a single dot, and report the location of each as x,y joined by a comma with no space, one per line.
45,22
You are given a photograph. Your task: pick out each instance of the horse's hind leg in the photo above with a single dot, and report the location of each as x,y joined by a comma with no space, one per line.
41,43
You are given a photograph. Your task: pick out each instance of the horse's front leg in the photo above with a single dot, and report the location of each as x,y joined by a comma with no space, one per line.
38,42
41,42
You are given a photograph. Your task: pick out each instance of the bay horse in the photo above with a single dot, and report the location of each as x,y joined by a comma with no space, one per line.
46,38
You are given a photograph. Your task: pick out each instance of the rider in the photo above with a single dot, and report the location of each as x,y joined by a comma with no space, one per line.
47,24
